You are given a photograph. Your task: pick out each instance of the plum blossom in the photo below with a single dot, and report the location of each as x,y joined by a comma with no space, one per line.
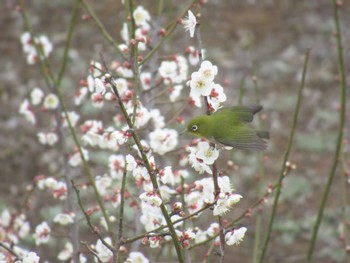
167,70
202,156
76,160
24,109
151,198
100,87
136,257
29,46
142,114
42,233
225,202
213,229
151,216
49,138
157,118
97,100
145,78
200,86
190,23
235,236
73,118
174,92
167,176
66,253
208,71
36,96
163,140
64,219
103,252
51,102
116,165
206,152
31,257
102,183
80,95
141,16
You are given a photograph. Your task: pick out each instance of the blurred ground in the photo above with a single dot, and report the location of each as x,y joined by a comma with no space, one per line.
281,31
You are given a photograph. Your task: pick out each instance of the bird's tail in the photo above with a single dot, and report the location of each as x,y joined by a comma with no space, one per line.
263,134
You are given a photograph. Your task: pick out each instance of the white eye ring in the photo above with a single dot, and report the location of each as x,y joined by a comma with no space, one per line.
194,128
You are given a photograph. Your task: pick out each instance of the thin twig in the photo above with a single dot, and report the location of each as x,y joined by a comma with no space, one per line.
93,228
285,159
342,99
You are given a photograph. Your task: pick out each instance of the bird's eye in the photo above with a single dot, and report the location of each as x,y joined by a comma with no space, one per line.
194,128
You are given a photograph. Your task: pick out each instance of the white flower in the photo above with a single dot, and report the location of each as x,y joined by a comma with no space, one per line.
124,33
5,218
142,114
151,198
207,153
76,160
73,118
208,70
64,219
146,80
131,164
97,100
163,140
199,85
221,206
24,229
80,95
235,236
66,253
102,183
103,252
195,100
136,257
175,92
31,257
167,176
190,23
116,165
47,138
141,16
42,233
213,229
198,164
51,102
99,86
60,191
167,70
50,182
46,45
122,85
157,118
36,96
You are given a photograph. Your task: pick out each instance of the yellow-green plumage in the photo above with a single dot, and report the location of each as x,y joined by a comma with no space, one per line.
229,126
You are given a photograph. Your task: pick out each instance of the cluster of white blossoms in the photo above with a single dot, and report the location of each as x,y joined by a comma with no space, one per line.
202,84
30,45
201,156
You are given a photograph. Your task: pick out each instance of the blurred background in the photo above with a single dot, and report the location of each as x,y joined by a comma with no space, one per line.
265,38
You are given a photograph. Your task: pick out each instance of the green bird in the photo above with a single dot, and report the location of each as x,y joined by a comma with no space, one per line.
229,127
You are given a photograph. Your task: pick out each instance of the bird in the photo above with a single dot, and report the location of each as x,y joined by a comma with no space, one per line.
229,127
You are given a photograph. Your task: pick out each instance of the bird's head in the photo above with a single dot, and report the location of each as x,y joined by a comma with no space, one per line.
199,126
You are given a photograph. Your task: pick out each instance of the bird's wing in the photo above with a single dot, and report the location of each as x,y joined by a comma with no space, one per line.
245,138
243,113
